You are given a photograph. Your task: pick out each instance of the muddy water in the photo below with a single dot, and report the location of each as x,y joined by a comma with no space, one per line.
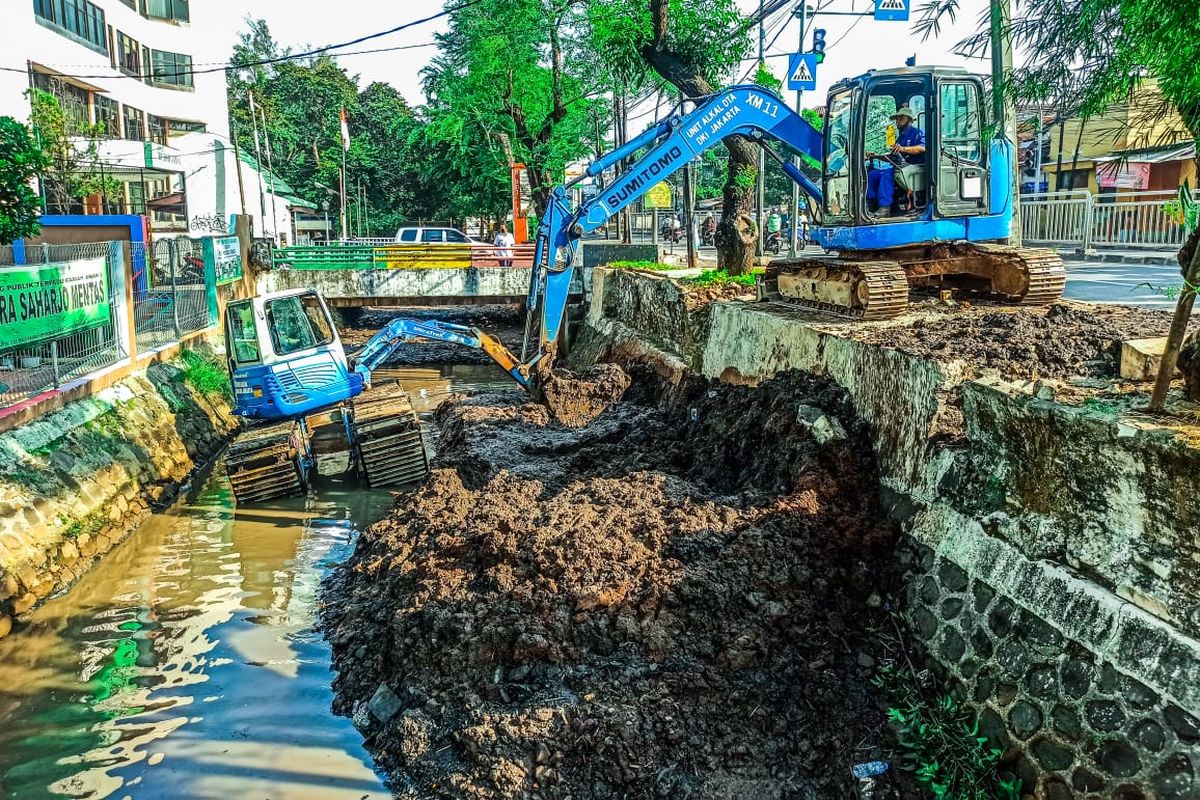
187,664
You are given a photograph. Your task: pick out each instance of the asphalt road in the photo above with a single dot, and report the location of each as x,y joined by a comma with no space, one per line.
1122,283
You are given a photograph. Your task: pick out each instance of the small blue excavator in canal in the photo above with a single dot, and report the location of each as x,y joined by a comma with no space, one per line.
946,227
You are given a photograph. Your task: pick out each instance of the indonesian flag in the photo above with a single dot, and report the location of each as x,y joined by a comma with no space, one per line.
345,131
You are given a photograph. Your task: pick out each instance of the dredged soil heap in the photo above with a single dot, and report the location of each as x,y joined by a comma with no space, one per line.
680,599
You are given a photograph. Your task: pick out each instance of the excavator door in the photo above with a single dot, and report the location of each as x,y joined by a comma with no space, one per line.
962,177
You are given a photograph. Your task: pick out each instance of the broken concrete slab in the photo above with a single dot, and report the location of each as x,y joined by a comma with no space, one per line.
1140,358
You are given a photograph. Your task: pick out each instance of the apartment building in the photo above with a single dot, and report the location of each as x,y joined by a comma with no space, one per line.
142,80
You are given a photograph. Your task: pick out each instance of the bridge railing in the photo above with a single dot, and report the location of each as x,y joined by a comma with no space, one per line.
342,256
1134,220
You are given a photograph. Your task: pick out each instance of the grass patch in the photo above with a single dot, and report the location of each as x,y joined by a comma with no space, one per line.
941,744
1099,406
205,374
719,277
92,524
655,266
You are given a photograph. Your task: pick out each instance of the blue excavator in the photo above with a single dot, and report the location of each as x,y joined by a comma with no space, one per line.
947,227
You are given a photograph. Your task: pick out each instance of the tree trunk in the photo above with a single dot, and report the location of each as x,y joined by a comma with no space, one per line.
736,232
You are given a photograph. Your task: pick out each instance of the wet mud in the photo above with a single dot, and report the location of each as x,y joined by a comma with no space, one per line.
1060,341
685,597
576,399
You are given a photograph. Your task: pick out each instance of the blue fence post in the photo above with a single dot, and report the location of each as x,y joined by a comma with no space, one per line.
19,251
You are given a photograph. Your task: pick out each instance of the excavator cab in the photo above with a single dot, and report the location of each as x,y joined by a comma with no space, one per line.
955,190
285,356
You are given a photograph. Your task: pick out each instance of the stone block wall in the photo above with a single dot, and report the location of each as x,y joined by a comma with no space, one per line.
1080,727
77,481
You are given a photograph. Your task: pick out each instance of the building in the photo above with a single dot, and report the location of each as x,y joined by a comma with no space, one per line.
143,93
1121,151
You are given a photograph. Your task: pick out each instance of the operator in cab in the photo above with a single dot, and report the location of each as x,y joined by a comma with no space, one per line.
881,178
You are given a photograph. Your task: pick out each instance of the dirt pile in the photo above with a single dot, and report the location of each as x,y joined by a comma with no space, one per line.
576,399
1060,341
675,601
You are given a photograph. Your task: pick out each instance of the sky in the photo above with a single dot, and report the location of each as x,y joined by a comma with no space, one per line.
866,44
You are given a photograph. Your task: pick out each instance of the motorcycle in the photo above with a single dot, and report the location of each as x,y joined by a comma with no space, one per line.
774,242
708,237
670,233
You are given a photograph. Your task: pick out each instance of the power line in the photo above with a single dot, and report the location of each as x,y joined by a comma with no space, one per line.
282,58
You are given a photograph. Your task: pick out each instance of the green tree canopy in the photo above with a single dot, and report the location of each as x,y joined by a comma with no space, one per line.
21,160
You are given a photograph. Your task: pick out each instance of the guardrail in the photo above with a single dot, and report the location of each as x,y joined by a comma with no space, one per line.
339,256
1134,220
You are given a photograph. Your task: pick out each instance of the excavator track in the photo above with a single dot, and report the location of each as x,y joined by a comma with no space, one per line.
1039,271
391,449
265,463
863,290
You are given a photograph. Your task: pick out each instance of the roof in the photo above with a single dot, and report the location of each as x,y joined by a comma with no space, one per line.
1152,155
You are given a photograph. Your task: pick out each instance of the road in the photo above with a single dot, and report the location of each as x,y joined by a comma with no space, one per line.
1123,283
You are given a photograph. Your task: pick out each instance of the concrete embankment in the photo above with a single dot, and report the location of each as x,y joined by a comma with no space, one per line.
1050,533
77,481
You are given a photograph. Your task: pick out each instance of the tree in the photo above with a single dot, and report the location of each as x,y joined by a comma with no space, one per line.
21,160
693,44
1098,53
74,169
301,101
512,84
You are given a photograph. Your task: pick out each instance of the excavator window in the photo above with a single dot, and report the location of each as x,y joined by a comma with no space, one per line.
242,336
837,155
298,323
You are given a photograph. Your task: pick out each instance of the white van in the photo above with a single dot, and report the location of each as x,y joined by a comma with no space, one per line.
424,235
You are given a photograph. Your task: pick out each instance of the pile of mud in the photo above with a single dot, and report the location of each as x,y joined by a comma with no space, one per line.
506,322
684,598
1061,341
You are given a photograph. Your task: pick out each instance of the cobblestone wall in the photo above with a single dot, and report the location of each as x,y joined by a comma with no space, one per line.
1072,724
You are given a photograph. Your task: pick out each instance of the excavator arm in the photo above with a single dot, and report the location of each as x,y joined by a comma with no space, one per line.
747,109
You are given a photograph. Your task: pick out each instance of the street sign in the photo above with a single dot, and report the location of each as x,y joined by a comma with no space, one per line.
659,196
892,10
802,72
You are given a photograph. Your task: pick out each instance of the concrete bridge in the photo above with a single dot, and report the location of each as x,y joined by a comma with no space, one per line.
389,276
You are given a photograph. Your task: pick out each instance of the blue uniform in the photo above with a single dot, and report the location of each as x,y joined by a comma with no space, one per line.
881,183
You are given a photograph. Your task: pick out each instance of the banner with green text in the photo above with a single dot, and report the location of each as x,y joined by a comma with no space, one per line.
39,302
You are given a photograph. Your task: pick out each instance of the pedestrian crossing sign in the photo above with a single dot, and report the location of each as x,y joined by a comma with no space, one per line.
892,10
802,72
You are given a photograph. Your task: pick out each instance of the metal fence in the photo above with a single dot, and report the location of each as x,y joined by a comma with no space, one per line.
30,369
1080,219
353,255
170,294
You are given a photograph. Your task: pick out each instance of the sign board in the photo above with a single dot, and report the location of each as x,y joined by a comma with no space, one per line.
659,196
227,259
802,72
892,10
47,301
1131,175
522,202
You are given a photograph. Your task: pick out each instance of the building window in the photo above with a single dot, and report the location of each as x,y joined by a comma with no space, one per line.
131,3
172,69
135,124
174,10
79,19
158,129
129,55
106,115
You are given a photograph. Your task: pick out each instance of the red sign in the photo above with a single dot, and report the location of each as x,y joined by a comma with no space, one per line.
1132,175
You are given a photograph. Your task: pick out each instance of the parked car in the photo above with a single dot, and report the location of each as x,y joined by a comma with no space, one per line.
429,235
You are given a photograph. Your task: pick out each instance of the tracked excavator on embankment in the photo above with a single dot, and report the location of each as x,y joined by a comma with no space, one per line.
947,227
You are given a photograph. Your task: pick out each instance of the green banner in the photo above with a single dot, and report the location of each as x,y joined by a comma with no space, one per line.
47,301
227,259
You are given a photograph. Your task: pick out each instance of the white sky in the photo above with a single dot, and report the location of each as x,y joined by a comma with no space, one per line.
868,44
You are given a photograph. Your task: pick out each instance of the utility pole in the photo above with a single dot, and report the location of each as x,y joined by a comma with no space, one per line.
762,157
689,216
262,202
802,13
1004,112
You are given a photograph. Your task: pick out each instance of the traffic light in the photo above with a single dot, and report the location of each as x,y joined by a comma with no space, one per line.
819,43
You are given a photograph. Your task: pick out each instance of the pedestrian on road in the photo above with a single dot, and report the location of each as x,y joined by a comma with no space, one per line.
504,243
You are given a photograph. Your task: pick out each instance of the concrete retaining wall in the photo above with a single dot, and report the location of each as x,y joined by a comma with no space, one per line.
75,482
1052,551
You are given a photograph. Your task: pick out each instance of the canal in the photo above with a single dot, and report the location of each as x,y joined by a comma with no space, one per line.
188,664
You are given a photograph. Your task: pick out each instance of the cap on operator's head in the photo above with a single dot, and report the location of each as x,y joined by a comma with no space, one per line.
904,112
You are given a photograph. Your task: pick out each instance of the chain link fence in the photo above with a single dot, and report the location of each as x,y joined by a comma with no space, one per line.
30,368
170,293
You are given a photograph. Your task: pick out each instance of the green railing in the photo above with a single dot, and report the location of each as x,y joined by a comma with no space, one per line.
401,256
331,256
